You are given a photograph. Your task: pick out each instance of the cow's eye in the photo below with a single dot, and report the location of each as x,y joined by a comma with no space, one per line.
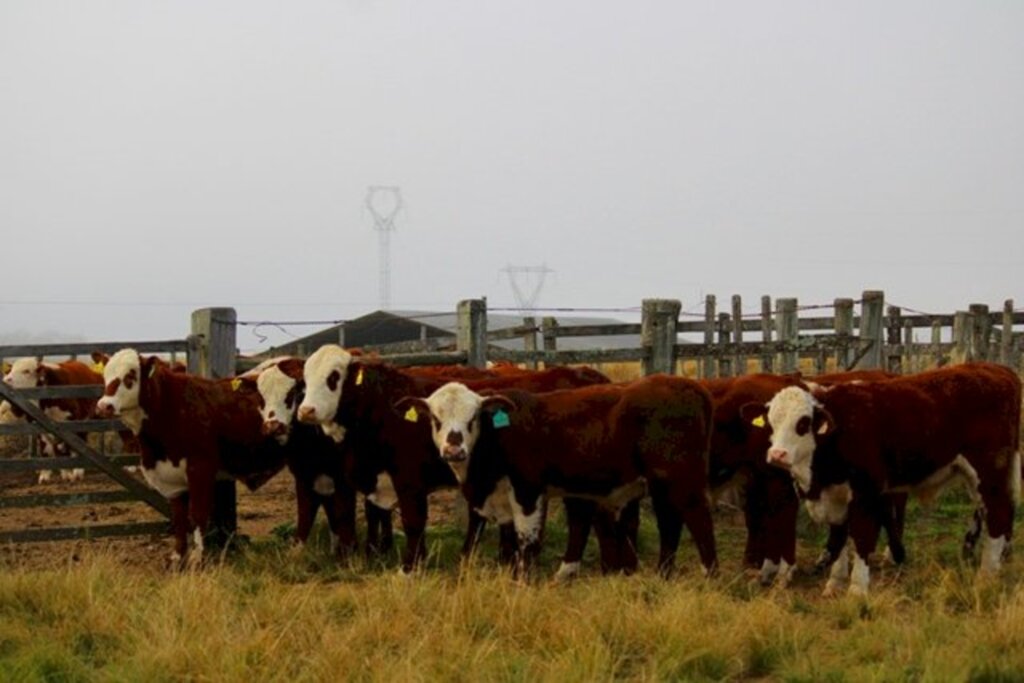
803,425
471,426
333,379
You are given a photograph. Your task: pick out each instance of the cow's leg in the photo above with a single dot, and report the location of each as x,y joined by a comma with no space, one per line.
180,528
340,509
997,493
838,534
627,534
579,515
753,517
864,530
306,505
696,515
508,544
670,525
779,542
200,507
528,508
379,534
475,526
839,574
413,508
895,522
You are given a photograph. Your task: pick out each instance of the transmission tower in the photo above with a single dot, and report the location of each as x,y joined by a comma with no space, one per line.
384,202
526,297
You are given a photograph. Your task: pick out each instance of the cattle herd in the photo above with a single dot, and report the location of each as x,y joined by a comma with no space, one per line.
851,446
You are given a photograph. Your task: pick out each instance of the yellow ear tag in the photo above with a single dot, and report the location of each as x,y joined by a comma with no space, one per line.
411,415
6,367
98,367
359,380
758,421
235,383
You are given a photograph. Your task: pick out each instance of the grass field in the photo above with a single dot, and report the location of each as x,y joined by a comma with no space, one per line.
267,615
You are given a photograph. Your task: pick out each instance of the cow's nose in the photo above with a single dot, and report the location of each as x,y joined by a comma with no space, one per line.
778,457
273,428
307,414
104,410
454,438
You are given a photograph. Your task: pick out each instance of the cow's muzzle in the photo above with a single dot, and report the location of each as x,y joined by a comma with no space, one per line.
105,409
307,414
778,457
454,454
274,428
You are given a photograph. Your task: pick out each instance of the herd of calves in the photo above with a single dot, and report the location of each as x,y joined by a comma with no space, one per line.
850,445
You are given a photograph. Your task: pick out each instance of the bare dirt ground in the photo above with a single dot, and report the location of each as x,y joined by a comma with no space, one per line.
259,514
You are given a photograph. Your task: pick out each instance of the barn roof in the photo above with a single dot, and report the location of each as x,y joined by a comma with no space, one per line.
387,327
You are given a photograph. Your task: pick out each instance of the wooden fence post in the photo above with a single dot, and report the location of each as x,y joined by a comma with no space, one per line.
843,328
724,357
214,337
872,306
981,328
786,328
708,363
767,358
530,339
937,344
471,333
961,337
894,352
658,324
910,363
549,335
739,363
1006,340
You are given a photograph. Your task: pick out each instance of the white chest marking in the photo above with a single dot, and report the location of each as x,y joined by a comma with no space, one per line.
324,485
498,508
168,480
384,495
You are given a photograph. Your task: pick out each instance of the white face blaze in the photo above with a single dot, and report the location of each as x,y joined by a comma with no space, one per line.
24,373
455,424
121,380
279,402
791,416
324,373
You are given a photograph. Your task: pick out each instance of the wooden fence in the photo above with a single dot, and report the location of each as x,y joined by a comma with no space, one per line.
782,337
205,354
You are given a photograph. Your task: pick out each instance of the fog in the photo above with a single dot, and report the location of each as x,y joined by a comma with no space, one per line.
161,157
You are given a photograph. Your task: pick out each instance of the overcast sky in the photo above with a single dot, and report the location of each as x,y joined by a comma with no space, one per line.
157,157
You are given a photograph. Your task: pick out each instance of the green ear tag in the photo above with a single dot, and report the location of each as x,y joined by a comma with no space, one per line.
500,419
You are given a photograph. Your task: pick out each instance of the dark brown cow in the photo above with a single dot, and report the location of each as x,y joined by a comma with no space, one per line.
324,476
770,504
354,402
848,446
189,429
609,443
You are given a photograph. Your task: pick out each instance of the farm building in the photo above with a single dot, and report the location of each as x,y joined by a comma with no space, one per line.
437,329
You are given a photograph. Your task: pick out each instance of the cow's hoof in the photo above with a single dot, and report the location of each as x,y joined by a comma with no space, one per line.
567,571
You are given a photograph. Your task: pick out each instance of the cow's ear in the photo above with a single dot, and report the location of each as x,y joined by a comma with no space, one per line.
823,422
99,358
497,408
412,408
754,414
147,366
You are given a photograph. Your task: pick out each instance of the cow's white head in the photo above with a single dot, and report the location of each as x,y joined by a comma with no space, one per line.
122,380
455,412
25,373
324,375
279,399
795,418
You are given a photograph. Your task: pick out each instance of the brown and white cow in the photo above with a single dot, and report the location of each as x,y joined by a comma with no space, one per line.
324,476
849,446
28,373
770,504
610,443
353,401
189,428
